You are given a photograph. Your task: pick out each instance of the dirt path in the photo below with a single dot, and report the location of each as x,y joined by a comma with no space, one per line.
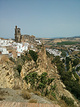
13,98
16,96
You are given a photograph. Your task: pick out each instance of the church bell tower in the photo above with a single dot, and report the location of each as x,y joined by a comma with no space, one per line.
17,34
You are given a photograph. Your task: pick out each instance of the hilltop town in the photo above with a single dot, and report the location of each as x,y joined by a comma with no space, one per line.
34,70
14,48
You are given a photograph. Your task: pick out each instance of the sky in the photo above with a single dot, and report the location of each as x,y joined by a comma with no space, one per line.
41,18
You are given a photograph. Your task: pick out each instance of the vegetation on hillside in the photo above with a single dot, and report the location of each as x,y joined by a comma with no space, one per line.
68,101
63,54
67,43
71,84
41,83
21,60
19,67
33,54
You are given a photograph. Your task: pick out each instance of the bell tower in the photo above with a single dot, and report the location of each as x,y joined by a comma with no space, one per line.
17,34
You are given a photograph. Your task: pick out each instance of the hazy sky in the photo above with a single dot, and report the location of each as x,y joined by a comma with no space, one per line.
41,18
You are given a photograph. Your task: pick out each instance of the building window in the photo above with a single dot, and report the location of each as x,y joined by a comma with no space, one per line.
18,31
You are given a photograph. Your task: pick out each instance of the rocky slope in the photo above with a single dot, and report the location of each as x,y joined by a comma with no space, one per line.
10,98
8,76
10,79
44,65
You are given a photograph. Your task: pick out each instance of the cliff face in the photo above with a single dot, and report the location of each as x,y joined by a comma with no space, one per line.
44,65
7,76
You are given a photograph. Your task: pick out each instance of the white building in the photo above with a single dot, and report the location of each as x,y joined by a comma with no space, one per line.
55,52
3,50
21,47
38,42
5,42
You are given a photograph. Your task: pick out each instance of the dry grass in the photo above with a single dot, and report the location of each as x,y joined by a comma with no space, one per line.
1,98
4,58
2,93
33,101
51,97
26,94
30,90
62,103
16,87
37,93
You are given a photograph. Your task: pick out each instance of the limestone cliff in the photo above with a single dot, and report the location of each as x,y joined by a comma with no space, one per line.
7,76
44,65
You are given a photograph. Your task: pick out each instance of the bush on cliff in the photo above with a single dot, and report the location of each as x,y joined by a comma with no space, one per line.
33,54
19,67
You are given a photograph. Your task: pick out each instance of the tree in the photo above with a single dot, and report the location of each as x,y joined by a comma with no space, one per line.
40,82
72,85
33,54
31,78
78,68
75,62
50,80
63,54
41,86
19,67
44,78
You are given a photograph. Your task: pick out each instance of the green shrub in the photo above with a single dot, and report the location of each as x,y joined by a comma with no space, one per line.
19,67
41,86
72,85
53,94
13,60
33,54
78,68
63,54
46,92
43,78
31,78
50,80
28,58
75,62
53,87
25,57
68,101
40,82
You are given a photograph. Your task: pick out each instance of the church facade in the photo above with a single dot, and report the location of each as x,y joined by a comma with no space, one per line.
23,38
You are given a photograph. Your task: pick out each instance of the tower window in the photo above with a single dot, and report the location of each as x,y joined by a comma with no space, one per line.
18,31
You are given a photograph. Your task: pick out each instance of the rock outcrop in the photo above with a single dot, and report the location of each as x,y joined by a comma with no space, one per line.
7,76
